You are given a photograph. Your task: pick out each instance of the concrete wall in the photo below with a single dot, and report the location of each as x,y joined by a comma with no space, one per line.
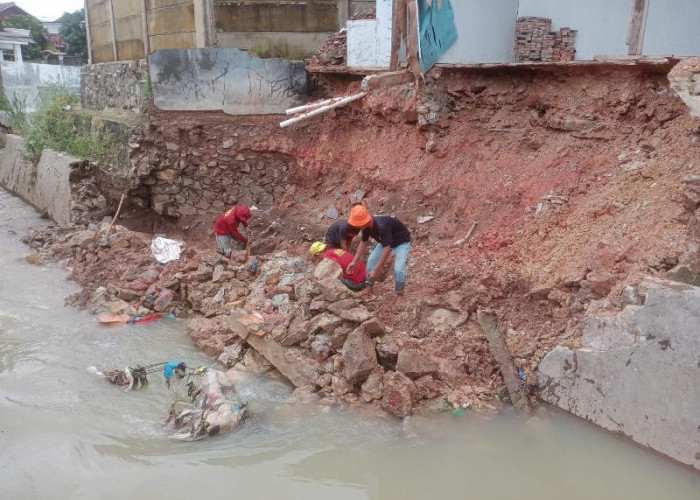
231,80
120,85
45,185
672,28
170,24
28,80
637,373
601,24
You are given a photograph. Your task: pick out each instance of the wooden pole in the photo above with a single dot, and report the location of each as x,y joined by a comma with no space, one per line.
412,39
87,30
144,29
116,215
395,35
114,30
517,389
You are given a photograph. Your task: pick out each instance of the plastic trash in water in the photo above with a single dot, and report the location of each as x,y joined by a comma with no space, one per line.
165,250
457,411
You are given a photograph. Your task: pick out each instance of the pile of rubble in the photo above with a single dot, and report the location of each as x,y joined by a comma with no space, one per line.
287,315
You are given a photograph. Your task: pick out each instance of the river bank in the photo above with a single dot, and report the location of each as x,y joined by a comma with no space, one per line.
67,434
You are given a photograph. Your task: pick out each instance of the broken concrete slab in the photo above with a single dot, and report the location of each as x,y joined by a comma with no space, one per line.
290,362
646,390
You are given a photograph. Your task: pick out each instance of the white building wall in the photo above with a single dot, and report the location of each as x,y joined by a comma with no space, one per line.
601,25
673,28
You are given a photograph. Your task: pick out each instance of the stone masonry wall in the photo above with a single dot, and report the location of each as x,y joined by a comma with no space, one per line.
203,173
120,85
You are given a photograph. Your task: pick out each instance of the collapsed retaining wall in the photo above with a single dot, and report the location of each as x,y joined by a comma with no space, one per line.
637,373
53,185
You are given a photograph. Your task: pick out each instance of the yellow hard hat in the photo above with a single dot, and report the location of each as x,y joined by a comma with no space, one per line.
317,247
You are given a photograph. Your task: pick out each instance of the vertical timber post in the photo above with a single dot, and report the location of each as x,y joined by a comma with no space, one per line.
114,30
144,29
87,30
517,389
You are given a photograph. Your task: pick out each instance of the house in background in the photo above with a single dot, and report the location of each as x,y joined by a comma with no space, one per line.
11,41
8,9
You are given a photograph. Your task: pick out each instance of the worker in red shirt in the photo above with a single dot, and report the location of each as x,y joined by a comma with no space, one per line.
226,228
356,280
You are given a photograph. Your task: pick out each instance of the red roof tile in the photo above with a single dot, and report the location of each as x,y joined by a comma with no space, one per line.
55,40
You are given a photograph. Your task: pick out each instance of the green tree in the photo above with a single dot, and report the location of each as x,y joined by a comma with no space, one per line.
36,31
73,33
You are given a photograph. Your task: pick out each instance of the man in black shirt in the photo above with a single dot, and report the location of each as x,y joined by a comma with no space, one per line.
340,234
391,235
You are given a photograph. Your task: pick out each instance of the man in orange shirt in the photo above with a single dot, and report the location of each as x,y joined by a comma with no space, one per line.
226,228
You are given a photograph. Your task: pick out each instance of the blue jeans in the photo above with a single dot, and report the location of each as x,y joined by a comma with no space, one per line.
400,261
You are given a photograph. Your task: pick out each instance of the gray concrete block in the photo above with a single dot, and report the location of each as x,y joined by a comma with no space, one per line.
641,380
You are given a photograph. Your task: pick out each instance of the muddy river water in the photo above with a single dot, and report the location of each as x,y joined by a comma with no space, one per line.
66,434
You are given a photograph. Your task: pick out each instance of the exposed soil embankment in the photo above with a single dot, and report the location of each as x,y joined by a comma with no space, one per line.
575,179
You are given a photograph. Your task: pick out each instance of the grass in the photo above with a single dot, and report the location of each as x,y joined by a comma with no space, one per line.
54,126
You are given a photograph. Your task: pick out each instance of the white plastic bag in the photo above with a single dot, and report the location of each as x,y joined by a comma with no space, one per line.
165,250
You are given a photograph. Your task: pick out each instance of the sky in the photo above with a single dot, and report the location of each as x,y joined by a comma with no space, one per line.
49,10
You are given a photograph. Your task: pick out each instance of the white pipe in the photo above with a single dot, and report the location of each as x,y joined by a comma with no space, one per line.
293,111
323,109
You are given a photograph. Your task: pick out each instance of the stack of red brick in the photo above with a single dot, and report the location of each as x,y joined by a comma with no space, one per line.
534,41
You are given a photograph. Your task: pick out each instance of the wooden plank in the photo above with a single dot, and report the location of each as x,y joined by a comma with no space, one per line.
517,389
637,26
114,30
383,80
395,36
412,39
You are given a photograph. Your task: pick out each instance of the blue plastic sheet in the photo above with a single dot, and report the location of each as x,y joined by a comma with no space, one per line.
437,31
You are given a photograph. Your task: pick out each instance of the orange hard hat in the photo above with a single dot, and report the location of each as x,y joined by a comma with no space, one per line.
359,216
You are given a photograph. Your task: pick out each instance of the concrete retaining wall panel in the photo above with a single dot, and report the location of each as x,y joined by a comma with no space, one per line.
46,185
28,80
225,79
645,387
